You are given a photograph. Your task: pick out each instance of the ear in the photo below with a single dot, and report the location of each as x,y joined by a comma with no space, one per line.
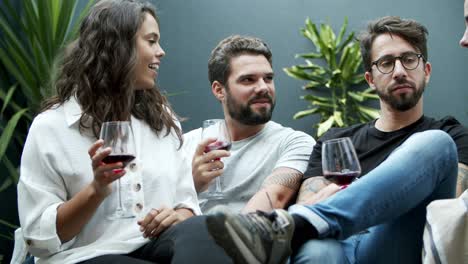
427,72
370,79
218,90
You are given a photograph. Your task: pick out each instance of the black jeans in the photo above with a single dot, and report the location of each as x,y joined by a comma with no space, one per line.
186,242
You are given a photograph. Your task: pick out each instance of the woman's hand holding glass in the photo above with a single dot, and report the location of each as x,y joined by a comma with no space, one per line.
104,174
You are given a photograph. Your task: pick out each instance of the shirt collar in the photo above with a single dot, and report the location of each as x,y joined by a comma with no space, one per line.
72,111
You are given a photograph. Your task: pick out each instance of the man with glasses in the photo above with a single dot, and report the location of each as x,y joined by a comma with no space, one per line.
407,160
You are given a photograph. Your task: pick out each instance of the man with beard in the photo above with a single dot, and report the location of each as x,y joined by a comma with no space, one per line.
407,161
264,167
265,157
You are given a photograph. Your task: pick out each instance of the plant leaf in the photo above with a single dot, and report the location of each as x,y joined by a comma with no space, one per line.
8,131
305,113
337,115
7,98
7,183
342,32
310,55
14,172
325,126
371,112
5,223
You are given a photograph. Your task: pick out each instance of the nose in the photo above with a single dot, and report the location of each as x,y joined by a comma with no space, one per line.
262,86
464,39
160,52
399,71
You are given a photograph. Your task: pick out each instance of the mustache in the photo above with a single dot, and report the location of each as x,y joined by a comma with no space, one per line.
259,97
402,82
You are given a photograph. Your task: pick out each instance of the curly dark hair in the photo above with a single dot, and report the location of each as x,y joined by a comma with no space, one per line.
410,30
99,69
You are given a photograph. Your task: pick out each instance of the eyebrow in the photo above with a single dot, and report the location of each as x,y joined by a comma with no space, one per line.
152,34
269,74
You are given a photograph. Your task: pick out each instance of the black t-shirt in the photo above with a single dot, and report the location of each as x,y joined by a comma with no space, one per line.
374,146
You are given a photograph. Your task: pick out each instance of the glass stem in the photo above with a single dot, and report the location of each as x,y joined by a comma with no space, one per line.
218,184
120,196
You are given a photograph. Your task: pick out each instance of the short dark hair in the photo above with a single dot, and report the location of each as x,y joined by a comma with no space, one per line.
410,30
230,47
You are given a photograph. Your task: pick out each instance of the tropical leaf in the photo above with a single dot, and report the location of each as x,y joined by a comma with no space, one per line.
325,126
334,90
304,113
7,98
9,130
33,34
342,32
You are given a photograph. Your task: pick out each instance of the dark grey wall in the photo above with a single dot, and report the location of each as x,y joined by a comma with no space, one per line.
190,29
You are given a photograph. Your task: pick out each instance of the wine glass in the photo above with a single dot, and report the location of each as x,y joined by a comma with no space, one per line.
339,161
118,136
216,128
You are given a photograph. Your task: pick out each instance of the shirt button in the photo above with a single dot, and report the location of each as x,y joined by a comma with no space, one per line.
138,207
137,187
133,166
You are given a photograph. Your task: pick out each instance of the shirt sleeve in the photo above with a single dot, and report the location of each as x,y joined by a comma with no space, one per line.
295,152
40,191
186,194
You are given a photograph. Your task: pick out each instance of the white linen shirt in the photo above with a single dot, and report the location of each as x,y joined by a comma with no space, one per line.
55,166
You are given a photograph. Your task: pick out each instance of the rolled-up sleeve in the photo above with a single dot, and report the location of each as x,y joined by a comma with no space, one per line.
40,191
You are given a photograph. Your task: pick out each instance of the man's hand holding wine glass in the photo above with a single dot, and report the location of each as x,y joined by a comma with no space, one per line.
207,165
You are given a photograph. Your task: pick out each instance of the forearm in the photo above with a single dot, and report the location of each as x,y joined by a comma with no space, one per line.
277,190
462,181
271,197
309,192
76,212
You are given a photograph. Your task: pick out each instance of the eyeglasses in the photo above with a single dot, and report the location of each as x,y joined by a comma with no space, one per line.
386,64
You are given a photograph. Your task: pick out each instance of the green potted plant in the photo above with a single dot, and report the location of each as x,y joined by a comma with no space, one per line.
334,90
33,33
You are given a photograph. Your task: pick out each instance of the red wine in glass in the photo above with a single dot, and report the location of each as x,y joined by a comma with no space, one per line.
118,136
341,178
216,128
218,145
340,163
124,158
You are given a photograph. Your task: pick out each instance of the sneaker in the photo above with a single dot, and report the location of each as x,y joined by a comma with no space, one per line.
254,238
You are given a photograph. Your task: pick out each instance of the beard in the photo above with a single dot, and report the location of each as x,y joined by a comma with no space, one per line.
244,114
405,101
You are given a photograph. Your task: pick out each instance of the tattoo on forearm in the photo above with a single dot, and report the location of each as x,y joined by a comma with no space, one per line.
462,182
311,186
314,184
288,178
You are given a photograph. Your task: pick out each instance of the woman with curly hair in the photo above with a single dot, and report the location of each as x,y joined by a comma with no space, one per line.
65,191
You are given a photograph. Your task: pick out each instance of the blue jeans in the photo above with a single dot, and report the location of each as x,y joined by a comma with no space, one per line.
380,218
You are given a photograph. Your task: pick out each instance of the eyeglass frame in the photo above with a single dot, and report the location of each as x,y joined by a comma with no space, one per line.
418,55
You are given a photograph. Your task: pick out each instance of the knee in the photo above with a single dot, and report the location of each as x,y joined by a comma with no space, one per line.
437,142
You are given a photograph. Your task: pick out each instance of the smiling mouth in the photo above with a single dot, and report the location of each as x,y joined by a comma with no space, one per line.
154,67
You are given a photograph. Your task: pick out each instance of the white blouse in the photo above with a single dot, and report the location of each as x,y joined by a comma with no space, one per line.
55,166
